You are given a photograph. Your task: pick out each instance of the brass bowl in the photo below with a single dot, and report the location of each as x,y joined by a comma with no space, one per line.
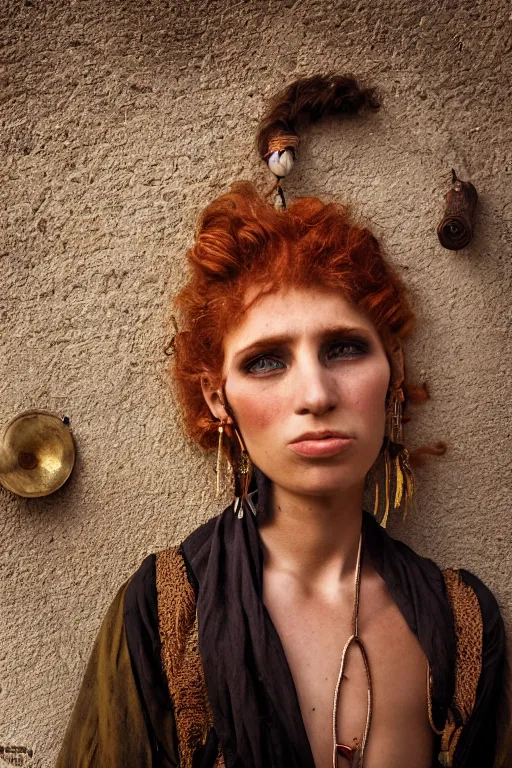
37,453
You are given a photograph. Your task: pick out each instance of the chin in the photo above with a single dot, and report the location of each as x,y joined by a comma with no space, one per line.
321,481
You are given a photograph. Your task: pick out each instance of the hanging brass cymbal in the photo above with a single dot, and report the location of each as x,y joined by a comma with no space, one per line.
37,453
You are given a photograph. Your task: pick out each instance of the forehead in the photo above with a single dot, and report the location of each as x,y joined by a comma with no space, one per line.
293,312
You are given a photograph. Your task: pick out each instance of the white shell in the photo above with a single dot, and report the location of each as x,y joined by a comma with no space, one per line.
280,162
278,203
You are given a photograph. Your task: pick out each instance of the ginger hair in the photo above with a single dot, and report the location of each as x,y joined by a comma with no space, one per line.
241,241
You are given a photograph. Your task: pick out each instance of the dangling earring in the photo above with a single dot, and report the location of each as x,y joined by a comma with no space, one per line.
394,481
404,479
220,430
243,475
391,478
242,467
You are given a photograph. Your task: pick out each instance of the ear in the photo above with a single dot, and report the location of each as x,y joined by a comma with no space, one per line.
214,400
394,354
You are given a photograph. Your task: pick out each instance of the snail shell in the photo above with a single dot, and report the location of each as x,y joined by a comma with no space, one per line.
456,227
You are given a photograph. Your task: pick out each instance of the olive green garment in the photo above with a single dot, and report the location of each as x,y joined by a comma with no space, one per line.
107,727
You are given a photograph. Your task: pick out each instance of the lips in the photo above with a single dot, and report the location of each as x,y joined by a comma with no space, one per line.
324,443
322,434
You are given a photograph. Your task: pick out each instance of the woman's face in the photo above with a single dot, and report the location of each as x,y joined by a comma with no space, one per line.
307,361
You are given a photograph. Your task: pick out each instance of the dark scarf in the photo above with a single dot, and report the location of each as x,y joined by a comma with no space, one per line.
250,686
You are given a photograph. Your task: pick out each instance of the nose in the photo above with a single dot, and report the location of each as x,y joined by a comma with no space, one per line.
316,391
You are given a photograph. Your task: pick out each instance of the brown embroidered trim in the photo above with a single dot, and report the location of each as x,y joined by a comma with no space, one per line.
181,659
469,639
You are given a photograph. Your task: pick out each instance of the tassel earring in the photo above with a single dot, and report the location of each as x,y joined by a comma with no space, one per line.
392,474
403,477
391,478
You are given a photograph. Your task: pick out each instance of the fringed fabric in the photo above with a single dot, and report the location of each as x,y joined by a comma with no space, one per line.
469,644
181,659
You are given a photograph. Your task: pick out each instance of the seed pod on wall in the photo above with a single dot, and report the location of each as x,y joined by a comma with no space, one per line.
456,227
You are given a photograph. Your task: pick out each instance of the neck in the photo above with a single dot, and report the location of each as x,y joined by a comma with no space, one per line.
313,536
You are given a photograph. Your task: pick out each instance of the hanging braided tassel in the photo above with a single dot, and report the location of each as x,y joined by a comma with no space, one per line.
391,475
409,482
392,482
399,482
387,470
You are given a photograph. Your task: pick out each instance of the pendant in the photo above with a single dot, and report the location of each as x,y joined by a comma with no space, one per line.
238,507
351,754
354,755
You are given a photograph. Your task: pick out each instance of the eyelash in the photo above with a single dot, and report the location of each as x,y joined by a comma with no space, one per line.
362,348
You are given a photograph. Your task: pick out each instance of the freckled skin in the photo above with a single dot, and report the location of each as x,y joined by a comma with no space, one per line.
310,535
346,393
257,413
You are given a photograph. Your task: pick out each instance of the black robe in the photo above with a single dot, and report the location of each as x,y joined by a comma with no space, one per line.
124,715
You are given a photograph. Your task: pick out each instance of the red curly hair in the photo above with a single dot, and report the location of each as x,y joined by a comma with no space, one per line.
242,241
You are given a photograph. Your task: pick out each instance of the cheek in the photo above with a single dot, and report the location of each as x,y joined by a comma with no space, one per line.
255,410
368,390
371,394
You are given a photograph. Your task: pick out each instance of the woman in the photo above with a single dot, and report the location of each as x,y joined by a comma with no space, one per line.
292,630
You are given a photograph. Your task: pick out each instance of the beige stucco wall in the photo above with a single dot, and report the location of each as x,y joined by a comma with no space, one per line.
120,121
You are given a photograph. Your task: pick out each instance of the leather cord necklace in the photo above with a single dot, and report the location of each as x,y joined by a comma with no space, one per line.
354,755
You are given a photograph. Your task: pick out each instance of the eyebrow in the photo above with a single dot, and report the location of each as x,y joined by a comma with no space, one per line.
280,340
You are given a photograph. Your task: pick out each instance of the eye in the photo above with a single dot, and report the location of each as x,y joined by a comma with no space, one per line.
263,364
355,348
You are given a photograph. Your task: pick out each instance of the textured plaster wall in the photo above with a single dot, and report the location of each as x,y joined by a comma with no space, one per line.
120,121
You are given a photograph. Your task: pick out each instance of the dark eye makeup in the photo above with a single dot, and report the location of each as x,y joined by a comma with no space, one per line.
361,347
272,361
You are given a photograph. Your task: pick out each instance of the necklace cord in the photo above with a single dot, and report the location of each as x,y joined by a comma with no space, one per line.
354,638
